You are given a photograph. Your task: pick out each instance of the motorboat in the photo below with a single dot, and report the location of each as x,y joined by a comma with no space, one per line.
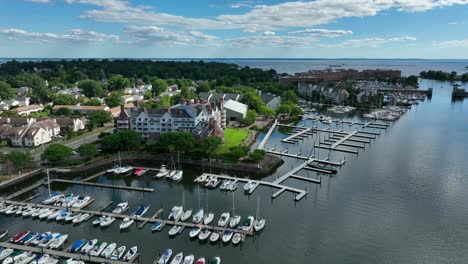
81,218
30,237
141,210
227,235
165,257
174,230
248,186
139,171
204,234
44,259
201,261
98,248
323,167
225,185
17,238
77,245
109,250
237,238
81,201
22,209
126,223
120,208
178,258
111,170
6,253
213,183
40,211
49,239
232,187
198,216
215,260
178,176
12,210
195,231
72,261
171,174
208,218
259,224
72,217
5,208
132,252
3,233
54,198
68,202
189,259
235,220
63,215
215,236
248,223
98,220
56,214
30,256
176,213
158,226
58,242
39,239
202,178
30,211
162,172
224,220
88,246
62,201
16,256
118,253
186,215
46,213
106,221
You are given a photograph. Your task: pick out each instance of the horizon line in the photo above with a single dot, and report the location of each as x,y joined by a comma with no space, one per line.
221,58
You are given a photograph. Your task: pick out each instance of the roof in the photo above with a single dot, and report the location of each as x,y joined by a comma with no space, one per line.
217,96
26,108
236,106
268,97
81,107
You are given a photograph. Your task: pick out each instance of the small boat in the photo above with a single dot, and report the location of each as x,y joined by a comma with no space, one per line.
81,218
165,257
248,223
198,216
176,213
141,210
201,261
109,250
89,246
58,242
22,209
120,208
12,210
107,221
126,170
215,260
215,236
139,171
126,223
81,201
235,220
189,259
174,230
30,237
71,217
54,198
227,235
46,213
98,248
232,187
39,239
225,185
77,245
208,218
98,220
170,174
178,258
3,233
177,176
204,234
43,259
16,256
237,238
30,256
259,224
49,239
202,178
70,201
132,252
162,172
37,213
195,231
213,183
224,220
6,253
158,226
72,261
118,253
30,211
248,186
63,215
186,215
55,214
17,238
111,170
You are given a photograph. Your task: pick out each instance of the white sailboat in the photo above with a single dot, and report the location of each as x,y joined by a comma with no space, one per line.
179,172
259,222
235,219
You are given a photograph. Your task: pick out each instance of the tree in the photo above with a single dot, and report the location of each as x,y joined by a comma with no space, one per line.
291,96
63,111
6,92
123,140
99,118
249,118
57,153
148,95
117,82
114,99
91,88
93,102
257,155
158,86
266,111
164,101
111,142
237,152
176,141
209,145
16,160
412,80
203,87
64,99
87,151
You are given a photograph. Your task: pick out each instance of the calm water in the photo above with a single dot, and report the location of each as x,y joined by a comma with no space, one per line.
401,200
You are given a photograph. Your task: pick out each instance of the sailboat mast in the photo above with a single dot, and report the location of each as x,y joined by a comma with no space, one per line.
120,161
258,206
48,181
233,214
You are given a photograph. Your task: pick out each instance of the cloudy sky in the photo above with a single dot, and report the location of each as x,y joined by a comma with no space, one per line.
232,29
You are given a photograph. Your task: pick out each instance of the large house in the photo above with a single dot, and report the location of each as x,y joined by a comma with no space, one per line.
27,110
272,101
84,109
25,136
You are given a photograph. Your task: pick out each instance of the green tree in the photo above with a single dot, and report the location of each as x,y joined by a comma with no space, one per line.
266,111
257,155
93,102
91,88
57,153
64,99
63,111
164,101
99,118
111,143
114,99
158,86
237,152
291,96
123,140
6,92
117,82
209,145
249,118
203,87
16,161
87,151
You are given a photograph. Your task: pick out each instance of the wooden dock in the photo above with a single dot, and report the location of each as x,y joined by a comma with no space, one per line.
24,190
156,215
102,185
268,134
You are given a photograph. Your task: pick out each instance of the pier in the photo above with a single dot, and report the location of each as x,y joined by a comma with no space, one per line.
268,134
102,185
24,190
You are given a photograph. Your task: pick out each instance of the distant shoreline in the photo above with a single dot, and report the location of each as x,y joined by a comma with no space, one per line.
220,59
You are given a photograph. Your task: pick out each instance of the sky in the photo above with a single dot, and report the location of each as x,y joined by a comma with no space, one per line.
428,29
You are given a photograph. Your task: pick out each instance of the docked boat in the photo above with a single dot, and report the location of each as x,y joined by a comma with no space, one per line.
212,183
16,256
39,239
132,252
5,253
17,238
12,209
248,186
30,237
106,221
124,171
89,246
109,250
118,253
165,257
63,215
200,179
224,220
237,238
77,245
177,176
189,259
72,261
248,223
225,185
141,210
58,242
194,232
126,223
215,260
139,172
120,208
259,224
235,220
46,213
3,233
70,201
111,170
49,240
30,211
56,214
200,261
22,209
81,218
98,248
323,167
174,230
81,201
186,215
158,226
44,259
232,187
215,236
227,235
30,256
170,174
208,218
37,213
54,198
204,234
176,213
198,216
71,217
162,172
178,258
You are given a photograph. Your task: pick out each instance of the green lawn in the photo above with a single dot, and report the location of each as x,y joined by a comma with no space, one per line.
232,137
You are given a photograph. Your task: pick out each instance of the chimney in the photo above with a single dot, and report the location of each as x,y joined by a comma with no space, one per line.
122,108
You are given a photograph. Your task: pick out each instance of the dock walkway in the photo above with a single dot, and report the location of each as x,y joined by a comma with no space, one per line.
102,185
268,134
24,190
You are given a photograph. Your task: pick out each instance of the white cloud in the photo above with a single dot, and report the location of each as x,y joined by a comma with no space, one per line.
157,35
74,35
268,33
40,1
271,41
322,33
368,42
451,43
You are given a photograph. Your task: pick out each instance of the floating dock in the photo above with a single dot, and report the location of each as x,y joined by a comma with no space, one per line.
268,134
102,185
24,190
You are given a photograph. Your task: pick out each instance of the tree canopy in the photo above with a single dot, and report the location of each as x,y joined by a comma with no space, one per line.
6,92
99,118
64,99
123,140
16,161
117,82
91,88
158,86
57,153
114,99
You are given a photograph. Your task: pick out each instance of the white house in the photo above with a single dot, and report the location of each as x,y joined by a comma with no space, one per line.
27,110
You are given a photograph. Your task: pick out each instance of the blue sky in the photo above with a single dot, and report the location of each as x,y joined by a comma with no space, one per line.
234,29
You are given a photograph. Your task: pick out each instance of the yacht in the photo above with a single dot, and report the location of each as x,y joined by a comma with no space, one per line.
63,215
109,250
162,172
58,242
132,252
189,259
120,208
5,253
225,185
235,220
54,198
80,218
89,246
237,238
174,230
215,236
186,215
165,257
141,210
224,220
248,223
126,223
248,186
204,234
118,253
259,224
195,231
227,235
72,216
178,258
232,187
98,248
198,216
106,221
158,226
208,218
81,201
178,176
176,213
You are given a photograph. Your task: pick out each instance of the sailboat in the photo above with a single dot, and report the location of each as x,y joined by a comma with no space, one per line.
259,222
208,218
235,219
173,170
179,173
186,214
198,216
126,170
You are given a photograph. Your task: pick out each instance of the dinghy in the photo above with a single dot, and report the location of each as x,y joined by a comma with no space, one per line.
118,253
131,254
178,258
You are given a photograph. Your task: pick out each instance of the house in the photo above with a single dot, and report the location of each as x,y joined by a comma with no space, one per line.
235,110
49,125
272,101
206,129
70,124
35,136
115,111
23,91
132,98
13,135
74,92
27,110
84,109
366,95
214,96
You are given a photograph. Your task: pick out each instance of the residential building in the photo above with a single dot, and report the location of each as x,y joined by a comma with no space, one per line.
216,97
272,101
84,109
132,98
25,136
27,110
48,125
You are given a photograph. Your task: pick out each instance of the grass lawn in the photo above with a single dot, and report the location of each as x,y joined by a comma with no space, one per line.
232,137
